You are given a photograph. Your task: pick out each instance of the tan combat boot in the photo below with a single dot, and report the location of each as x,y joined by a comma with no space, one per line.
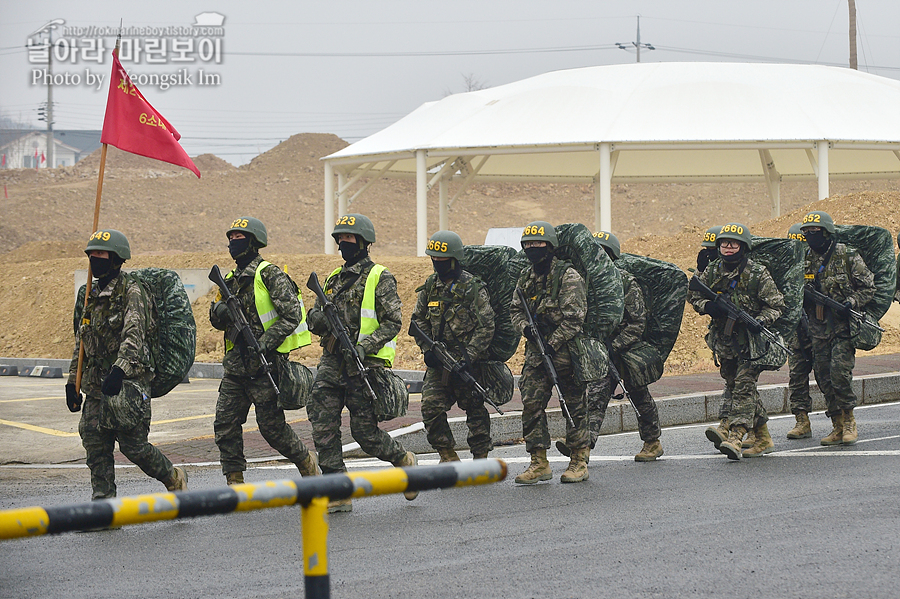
448,455
479,455
538,470
408,460
650,451
750,439
340,505
762,443
801,430
178,480
309,466
577,470
718,434
732,447
234,478
836,436
850,433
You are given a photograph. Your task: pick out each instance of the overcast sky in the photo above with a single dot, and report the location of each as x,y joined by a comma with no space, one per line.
352,68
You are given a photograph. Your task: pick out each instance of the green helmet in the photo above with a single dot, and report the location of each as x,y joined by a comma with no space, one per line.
110,240
818,218
796,233
540,231
610,242
445,244
709,238
250,226
355,224
734,231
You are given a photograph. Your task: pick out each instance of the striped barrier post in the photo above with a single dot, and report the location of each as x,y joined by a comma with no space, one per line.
311,493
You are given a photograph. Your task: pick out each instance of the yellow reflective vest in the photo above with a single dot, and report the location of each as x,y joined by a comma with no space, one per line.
368,320
265,309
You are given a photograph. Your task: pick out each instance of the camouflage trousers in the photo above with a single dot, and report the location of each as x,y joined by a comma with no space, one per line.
437,398
725,408
800,364
332,391
236,395
833,362
746,407
599,393
536,387
124,418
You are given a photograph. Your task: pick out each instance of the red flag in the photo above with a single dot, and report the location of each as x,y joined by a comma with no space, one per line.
4,160
133,125
43,159
36,165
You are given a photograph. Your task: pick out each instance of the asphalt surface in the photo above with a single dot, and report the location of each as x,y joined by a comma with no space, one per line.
807,521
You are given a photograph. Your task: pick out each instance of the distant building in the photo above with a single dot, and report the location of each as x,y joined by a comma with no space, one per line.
28,148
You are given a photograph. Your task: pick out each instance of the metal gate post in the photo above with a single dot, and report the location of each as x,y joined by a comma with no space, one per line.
314,535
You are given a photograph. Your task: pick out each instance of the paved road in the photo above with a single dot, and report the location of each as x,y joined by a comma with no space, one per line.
807,521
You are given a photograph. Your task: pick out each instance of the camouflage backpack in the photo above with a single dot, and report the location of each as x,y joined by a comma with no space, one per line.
172,350
876,247
664,287
489,263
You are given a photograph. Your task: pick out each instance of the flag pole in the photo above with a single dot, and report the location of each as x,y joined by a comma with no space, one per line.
87,287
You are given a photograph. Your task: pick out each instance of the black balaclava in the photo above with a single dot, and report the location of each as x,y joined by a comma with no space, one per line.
243,251
730,262
105,269
817,240
540,258
447,270
353,252
609,253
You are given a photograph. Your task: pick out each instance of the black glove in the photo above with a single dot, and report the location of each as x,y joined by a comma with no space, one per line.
112,384
529,334
73,398
755,327
431,359
702,260
220,309
715,309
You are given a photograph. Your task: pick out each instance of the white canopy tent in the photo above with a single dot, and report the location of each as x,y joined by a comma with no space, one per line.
644,122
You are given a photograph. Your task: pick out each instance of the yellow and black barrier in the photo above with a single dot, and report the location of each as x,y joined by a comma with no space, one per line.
311,493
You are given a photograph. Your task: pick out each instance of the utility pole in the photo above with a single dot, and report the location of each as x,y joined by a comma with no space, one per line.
637,45
852,6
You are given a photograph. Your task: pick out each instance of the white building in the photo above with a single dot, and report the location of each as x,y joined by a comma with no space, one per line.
29,150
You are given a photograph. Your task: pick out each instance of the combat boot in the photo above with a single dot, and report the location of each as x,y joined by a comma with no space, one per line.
836,436
850,433
309,466
538,470
650,451
234,478
718,434
408,460
448,455
562,448
577,470
178,480
750,439
479,455
340,505
801,430
762,443
732,446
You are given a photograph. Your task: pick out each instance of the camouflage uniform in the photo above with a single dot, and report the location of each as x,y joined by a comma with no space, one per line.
560,319
628,333
244,384
844,278
753,290
459,314
336,385
114,328
800,364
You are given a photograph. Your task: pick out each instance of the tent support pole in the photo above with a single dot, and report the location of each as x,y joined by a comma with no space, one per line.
822,146
342,194
329,208
443,187
773,181
603,192
421,203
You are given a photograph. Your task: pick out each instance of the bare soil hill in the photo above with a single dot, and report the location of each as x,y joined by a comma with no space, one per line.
175,220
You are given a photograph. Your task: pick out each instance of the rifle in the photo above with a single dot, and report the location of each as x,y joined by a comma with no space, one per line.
548,362
820,299
734,314
240,321
339,332
450,365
